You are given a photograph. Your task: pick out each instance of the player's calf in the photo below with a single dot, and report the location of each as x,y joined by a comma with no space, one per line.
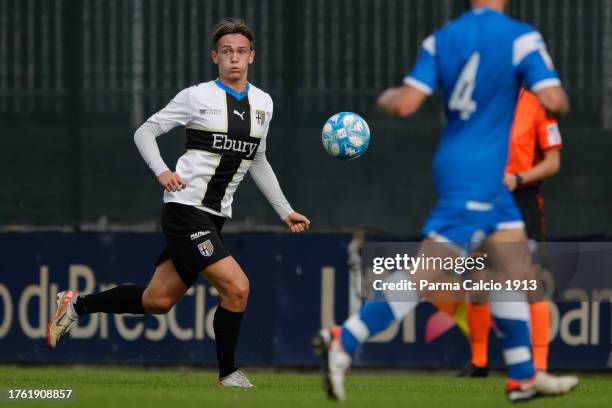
156,305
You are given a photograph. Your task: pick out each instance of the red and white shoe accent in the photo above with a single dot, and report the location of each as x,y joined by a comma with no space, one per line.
541,385
64,318
335,361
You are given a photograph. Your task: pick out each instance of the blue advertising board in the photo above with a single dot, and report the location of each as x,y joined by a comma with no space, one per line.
298,284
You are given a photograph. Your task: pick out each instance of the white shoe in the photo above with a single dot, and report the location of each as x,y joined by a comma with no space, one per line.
548,384
543,384
335,362
64,318
237,379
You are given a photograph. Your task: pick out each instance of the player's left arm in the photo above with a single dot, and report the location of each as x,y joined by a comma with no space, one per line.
422,81
264,177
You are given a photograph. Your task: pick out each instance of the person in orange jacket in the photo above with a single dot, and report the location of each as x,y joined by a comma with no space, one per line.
534,155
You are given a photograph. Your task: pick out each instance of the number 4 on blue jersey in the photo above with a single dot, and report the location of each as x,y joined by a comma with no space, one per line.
479,63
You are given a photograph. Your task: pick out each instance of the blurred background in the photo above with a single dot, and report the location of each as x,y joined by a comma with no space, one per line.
79,208
78,77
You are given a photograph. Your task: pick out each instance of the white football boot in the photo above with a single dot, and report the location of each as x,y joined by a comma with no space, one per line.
237,379
335,360
64,318
543,384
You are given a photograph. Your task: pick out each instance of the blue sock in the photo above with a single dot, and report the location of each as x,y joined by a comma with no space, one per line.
376,315
373,318
515,339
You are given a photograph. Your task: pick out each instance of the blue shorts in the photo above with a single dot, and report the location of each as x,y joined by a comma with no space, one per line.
466,223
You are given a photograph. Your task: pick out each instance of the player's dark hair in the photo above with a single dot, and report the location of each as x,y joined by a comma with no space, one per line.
231,25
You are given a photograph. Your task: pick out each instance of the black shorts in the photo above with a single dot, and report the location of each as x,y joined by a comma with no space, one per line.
531,203
193,240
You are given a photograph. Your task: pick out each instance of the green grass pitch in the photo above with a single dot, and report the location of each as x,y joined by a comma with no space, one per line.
184,388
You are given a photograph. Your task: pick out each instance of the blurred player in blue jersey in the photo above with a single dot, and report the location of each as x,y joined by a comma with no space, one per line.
479,63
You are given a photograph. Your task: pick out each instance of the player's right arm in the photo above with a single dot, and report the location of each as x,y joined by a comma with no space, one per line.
422,81
534,65
401,101
177,112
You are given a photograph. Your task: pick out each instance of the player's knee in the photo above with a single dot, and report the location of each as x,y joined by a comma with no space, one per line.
162,305
156,305
238,293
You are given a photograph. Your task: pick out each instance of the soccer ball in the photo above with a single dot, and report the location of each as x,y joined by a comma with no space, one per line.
346,136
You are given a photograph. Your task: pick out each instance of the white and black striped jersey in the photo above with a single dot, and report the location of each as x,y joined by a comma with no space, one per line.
226,132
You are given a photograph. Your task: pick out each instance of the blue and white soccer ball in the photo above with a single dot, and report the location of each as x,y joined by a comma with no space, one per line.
346,136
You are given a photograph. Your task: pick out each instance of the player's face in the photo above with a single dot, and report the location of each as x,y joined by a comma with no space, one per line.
233,56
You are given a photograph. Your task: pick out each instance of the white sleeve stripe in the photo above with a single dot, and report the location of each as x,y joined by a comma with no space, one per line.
430,45
423,87
545,83
525,45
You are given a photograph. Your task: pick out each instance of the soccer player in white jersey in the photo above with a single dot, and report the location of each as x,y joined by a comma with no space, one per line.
479,62
227,122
